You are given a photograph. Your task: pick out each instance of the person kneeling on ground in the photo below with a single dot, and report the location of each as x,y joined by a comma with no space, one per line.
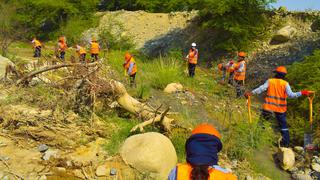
202,149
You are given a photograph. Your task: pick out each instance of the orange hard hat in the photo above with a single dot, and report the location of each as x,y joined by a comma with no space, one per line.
242,54
127,56
281,69
206,129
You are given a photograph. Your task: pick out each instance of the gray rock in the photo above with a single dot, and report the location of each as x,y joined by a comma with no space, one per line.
315,167
43,147
283,35
113,172
50,154
301,177
101,170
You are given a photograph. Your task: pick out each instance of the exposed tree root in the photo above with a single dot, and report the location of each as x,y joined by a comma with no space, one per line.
103,87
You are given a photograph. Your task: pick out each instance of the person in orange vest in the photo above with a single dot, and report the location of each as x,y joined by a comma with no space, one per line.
224,68
37,47
130,67
230,70
82,53
94,49
192,58
240,73
202,149
62,47
278,90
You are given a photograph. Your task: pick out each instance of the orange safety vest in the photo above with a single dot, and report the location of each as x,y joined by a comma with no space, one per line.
62,46
36,43
127,66
184,173
240,76
95,48
276,100
82,51
193,56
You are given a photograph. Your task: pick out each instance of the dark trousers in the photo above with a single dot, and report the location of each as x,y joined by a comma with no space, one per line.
37,52
239,88
230,81
282,121
94,57
192,69
132,79
82,58
62,54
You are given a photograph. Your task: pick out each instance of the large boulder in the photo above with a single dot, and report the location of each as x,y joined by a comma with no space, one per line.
3,63
173,88
283,35
286,157
151,153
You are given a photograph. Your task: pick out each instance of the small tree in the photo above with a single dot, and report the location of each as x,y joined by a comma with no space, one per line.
7,31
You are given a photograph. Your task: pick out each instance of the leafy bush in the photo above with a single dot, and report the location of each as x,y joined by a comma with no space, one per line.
304,75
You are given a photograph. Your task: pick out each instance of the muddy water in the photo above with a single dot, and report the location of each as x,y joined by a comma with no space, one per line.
265,164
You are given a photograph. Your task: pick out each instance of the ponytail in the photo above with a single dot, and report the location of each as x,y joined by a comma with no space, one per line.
200,173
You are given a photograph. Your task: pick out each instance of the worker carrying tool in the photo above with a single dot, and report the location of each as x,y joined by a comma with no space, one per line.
37,47
278,90
192,59
202,149
130,67
94,49
240,74
61,48
82,53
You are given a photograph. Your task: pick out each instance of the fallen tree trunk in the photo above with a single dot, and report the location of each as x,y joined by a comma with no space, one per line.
27,78
118,92
140,109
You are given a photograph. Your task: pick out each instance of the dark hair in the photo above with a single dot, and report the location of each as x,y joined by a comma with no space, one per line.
280,75
200,172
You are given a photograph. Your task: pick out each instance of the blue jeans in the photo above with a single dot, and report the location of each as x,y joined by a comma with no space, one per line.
282,120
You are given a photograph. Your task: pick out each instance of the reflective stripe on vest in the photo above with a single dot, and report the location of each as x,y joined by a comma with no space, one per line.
276,99
94,48
127,66
240,76
184,173
193,56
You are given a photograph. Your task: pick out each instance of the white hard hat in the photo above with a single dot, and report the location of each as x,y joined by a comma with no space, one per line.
193,44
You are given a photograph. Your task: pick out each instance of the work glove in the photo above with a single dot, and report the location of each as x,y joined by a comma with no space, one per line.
305,92
247,94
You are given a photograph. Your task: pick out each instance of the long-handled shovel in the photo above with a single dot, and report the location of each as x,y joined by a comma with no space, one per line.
308,135
249,109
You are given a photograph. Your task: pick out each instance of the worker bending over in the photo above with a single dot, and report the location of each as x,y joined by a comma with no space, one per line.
82,53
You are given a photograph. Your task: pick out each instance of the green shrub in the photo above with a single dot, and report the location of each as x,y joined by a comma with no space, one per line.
164,71
242,138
